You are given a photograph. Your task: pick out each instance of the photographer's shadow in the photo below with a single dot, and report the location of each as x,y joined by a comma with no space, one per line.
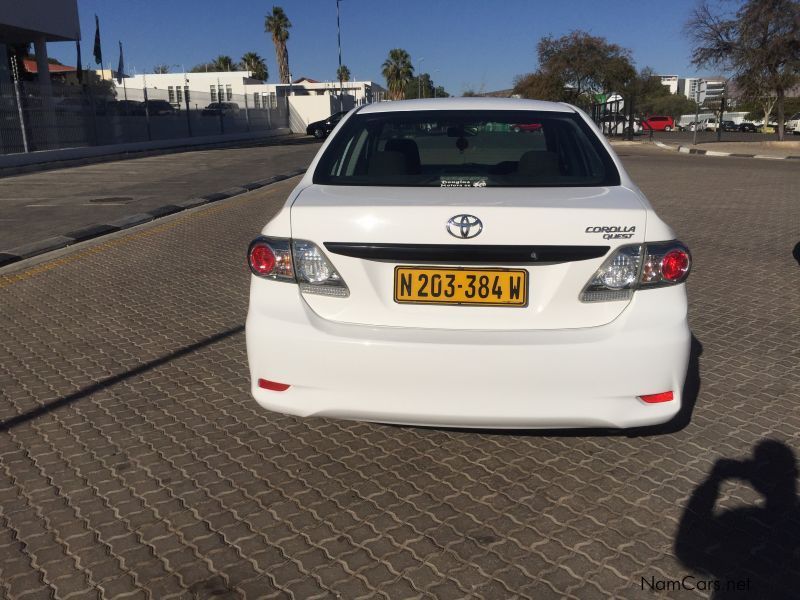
753,552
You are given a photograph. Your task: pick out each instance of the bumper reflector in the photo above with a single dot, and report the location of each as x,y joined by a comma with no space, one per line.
654,398
273,385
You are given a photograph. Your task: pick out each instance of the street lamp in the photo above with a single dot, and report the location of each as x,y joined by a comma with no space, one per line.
339,41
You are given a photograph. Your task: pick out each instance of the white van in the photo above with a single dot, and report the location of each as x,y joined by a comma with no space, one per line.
793,123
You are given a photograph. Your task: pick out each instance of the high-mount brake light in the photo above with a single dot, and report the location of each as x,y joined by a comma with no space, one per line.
638,267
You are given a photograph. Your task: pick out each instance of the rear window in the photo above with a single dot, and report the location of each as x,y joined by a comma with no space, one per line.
466,149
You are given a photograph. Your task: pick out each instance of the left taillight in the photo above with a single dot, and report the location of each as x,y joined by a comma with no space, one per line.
296,261
271,258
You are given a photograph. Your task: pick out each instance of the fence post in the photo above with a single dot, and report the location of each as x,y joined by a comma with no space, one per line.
188,116
21,117
146,114
629,131
246,112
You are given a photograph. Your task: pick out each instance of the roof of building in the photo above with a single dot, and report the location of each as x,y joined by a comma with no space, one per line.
308,79
467,104
29,64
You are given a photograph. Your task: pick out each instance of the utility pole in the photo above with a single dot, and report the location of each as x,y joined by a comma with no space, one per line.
419,79
339,40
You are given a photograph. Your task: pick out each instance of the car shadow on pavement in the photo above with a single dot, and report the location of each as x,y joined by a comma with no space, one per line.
108,382
691,389
747,551
796,252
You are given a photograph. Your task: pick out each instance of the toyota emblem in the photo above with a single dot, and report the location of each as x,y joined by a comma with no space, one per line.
464,226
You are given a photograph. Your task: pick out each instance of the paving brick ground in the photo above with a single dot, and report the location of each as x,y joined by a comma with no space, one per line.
135,464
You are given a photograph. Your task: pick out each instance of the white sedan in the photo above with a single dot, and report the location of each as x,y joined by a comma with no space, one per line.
434,267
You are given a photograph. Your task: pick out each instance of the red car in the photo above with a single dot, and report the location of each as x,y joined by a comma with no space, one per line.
526,127
657,123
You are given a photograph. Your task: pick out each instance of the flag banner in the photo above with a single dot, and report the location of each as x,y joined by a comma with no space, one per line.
120,66
98,52
80,62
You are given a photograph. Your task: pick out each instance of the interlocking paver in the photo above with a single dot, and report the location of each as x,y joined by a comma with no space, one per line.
156,473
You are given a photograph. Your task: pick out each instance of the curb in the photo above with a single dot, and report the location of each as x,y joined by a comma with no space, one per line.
687,150
8,257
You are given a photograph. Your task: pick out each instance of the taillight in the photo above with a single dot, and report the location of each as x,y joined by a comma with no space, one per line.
296,261
637,267
271,258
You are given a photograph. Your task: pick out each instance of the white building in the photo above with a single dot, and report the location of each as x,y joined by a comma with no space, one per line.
670,81
240,87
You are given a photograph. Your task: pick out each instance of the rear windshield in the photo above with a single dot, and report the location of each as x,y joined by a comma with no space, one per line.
466,149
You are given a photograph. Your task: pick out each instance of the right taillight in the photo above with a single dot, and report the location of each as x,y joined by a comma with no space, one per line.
638,267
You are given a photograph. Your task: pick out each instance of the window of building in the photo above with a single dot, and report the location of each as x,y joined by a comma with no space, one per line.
213,93
178,95
273,100
228,91
171,92
256,100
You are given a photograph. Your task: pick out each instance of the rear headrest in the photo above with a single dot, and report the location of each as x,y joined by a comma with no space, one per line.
409,149
538,163
385,164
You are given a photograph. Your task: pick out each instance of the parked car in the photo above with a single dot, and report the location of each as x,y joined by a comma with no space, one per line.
130,108
321,129
729,126
658,123
709,124
534,263
528,127
158,108
746,127
793,124
220,108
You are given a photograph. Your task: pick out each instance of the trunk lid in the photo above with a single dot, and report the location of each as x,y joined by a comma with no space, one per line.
561,225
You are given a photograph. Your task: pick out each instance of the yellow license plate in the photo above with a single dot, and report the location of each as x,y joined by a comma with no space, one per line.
443,285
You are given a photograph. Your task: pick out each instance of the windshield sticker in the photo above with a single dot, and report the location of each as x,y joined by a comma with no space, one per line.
477,182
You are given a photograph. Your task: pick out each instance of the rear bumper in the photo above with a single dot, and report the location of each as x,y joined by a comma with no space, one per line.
588,377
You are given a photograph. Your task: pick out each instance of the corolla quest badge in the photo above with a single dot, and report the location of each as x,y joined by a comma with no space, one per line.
464,226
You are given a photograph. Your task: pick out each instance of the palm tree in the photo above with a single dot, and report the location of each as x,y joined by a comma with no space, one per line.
251,61
343,73
398,70
278,25
222,63
161,69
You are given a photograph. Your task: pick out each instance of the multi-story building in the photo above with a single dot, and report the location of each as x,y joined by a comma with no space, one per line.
670,81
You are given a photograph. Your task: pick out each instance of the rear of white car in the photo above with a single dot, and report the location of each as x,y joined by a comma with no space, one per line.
434,267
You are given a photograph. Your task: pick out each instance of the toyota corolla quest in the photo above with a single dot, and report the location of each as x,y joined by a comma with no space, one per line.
435,266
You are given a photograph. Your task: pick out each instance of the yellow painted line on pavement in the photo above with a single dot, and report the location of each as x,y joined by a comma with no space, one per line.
12,278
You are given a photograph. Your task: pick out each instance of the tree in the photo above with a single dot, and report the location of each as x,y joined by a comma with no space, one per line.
251,61
575,68
343,73
397,70
223,63
759,44
278,25
161,69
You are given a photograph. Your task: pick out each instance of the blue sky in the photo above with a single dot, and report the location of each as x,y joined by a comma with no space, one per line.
465,44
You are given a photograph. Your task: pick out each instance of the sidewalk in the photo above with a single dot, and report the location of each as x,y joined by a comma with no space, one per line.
51,209
788,149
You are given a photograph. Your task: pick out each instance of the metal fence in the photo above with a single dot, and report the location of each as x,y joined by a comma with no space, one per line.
73,116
